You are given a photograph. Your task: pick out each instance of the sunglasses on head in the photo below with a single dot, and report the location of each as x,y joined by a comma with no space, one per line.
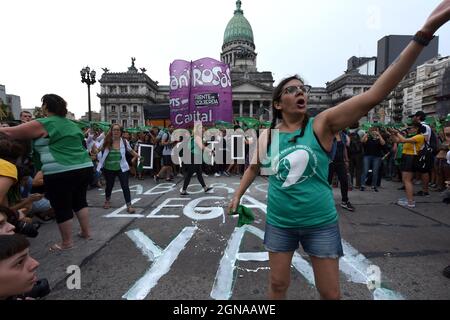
296,89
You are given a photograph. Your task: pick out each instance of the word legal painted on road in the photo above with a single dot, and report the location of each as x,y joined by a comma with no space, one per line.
192,209
195,209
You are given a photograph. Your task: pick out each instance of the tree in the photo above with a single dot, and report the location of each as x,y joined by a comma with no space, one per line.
37,113
5,112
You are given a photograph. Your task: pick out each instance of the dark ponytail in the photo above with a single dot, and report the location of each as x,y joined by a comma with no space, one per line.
302,132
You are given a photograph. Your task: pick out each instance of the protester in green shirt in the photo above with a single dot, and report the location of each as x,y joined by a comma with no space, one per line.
65,163
113,163
300,206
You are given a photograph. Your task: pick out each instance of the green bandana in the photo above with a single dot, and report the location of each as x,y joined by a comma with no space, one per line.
246,215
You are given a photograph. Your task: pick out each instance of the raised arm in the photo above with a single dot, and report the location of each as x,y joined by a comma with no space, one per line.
25,131
343,115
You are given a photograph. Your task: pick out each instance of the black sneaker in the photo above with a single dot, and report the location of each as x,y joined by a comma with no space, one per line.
362,189
446,272
183,193
422,194
208,189
347,205
375,189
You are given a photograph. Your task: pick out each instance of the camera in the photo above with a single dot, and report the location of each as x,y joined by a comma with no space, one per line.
40,289
27,229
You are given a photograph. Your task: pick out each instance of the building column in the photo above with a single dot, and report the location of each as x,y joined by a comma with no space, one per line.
251,108
241,108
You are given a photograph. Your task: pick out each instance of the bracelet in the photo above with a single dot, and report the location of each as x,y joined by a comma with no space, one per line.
423,38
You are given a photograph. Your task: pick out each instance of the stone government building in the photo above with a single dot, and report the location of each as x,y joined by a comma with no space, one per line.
132,98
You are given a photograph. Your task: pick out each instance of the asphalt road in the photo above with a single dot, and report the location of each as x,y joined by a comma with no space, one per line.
182,248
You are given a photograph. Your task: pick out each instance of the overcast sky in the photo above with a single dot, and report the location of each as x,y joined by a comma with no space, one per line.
45,43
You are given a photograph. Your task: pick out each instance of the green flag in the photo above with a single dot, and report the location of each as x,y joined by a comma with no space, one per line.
246,215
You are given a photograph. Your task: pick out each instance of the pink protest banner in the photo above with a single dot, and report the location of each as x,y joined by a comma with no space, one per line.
200,91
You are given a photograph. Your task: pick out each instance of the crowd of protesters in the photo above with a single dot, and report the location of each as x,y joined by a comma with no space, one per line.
48,164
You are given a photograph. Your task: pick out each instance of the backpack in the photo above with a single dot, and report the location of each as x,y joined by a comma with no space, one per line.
434,143
166,138
424,160
356,146
334,146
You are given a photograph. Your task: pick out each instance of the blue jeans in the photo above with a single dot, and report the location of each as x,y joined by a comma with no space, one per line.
320,242
374,163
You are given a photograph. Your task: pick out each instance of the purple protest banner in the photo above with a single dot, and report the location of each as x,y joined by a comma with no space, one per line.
200,91
180,71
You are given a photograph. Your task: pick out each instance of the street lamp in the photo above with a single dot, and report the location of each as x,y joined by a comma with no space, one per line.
88,77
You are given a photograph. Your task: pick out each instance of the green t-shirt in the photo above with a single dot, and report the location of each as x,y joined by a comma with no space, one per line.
62,150
112,161
299,194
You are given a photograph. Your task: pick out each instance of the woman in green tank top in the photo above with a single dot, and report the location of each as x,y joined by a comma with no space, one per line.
300,206
65,163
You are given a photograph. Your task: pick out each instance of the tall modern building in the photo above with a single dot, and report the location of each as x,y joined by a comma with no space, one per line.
425,89
358,78
443,97
390,47
12,101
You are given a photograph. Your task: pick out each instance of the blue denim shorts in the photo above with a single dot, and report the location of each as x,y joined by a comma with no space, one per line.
321,242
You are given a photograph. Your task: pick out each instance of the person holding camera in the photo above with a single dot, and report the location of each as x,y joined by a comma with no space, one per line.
65,163
17,267
113,163
10,151
41,288
5,226
441,164
411,147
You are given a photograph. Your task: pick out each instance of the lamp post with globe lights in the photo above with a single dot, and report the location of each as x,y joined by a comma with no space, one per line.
88,77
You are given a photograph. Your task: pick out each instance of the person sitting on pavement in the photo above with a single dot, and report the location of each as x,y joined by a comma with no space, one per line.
40,208
10,151
6,227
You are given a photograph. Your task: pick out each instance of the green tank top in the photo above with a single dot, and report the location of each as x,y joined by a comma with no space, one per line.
194,147
112,161
299,194
62,150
